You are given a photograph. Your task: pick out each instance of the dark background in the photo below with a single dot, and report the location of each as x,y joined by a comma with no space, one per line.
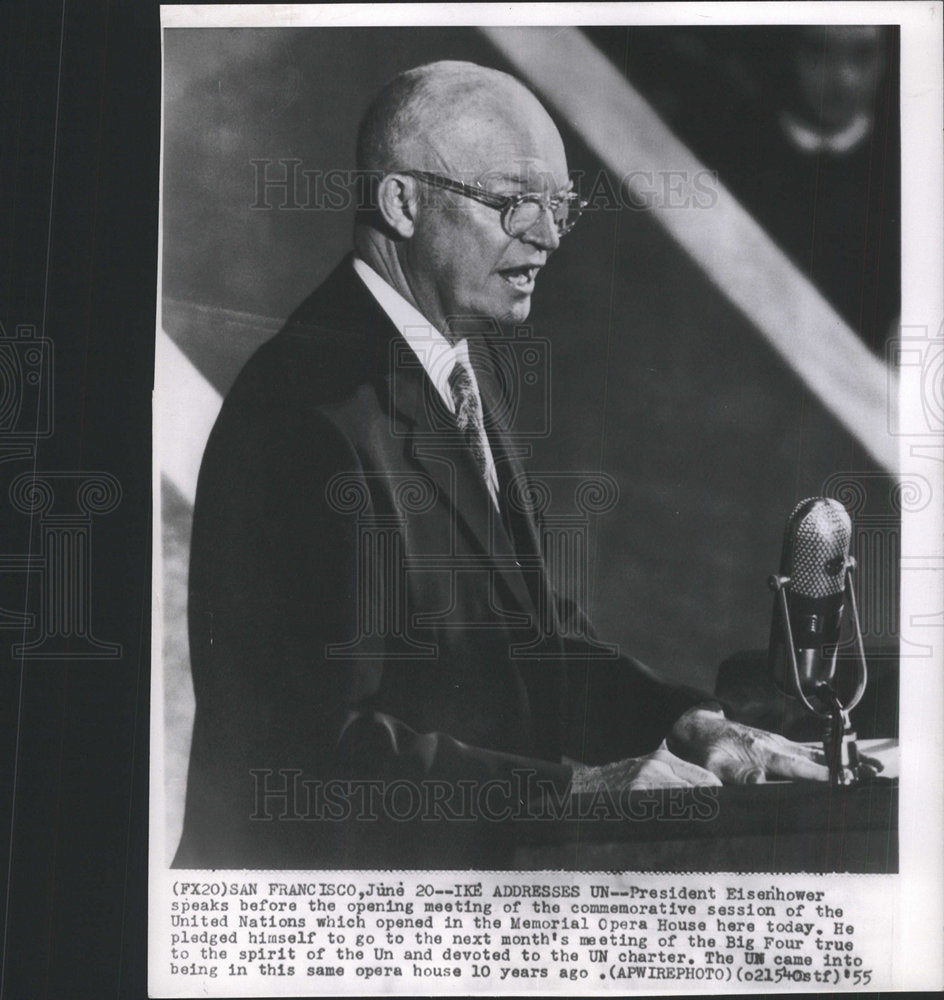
656,381
79,188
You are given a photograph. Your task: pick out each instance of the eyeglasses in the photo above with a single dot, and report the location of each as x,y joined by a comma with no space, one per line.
519,212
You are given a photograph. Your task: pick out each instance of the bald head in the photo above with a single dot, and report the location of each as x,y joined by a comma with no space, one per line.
454,117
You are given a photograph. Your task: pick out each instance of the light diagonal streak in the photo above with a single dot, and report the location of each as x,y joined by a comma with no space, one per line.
185,407
571,74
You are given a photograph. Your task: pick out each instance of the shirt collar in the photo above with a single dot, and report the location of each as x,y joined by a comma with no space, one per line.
813,140
437,356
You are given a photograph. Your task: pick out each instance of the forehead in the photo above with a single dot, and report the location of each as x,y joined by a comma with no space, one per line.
513,145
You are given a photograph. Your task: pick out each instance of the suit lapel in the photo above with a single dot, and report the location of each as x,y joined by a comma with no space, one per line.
364,339
432,440
544,675
520,524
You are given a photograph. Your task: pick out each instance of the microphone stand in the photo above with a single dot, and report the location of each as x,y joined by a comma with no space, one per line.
839,739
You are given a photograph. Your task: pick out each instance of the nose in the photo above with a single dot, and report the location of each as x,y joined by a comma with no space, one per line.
543,234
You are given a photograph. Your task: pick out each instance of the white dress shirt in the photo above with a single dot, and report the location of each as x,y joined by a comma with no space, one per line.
437,356
810,139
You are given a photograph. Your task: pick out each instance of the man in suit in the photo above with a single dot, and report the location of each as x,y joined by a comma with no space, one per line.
369,601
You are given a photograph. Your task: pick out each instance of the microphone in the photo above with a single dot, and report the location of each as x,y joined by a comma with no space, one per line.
813,566
814,582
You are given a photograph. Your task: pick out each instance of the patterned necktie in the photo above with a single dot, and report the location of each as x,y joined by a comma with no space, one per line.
469,419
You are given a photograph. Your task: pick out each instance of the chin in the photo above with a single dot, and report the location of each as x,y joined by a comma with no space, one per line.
516,313
502,308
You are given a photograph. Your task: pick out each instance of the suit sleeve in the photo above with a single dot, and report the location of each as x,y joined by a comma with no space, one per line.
616,707
274,580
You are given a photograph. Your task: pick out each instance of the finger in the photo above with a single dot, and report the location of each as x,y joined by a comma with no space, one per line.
749,774
871,762
732,769
780,744
782,765
775,745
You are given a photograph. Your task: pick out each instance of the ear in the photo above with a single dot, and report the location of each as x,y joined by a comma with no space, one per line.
398,203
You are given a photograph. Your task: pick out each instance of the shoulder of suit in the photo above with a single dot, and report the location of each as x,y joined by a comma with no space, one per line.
300,376
310,361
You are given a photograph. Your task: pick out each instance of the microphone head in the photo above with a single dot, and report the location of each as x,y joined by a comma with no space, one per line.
816,547
813,566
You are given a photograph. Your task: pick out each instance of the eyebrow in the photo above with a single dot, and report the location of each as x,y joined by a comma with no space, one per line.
524,183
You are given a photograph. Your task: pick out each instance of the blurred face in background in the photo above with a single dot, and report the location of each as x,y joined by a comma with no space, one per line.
834,72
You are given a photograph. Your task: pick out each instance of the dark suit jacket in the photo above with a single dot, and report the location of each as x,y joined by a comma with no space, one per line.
358,611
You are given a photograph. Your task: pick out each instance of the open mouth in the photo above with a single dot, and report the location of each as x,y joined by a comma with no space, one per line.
522,277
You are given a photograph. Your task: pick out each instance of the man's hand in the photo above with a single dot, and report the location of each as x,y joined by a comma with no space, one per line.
740,754
705,748
660,769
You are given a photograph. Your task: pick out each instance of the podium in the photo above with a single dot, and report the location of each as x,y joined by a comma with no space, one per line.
776,827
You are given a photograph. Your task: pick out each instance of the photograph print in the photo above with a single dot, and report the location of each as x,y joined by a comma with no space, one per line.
526,492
